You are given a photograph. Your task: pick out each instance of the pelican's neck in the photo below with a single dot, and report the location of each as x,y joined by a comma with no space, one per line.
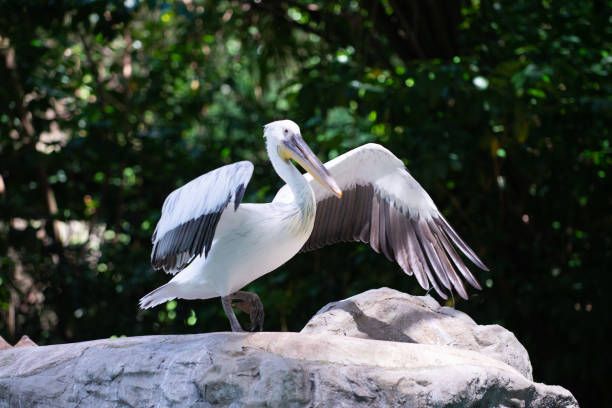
304,196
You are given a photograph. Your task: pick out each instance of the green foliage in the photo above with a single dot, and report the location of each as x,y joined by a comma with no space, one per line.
502,111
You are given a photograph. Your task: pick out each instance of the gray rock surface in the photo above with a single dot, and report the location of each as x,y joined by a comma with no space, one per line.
387,314
264,369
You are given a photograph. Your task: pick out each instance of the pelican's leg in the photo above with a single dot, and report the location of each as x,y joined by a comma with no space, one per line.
250,303
226,301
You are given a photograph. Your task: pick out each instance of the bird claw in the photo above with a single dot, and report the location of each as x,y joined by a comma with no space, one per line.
249,303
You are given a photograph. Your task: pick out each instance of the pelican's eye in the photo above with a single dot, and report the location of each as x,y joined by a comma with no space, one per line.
286,131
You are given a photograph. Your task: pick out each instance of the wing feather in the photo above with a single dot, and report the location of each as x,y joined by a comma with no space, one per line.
334,221
362,220
345,229
417,259
190,215
435,272
449,269
465,272
400,248
467,251
368,197
427,242
375,224
384,227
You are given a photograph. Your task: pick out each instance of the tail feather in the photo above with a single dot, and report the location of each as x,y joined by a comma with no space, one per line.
158,296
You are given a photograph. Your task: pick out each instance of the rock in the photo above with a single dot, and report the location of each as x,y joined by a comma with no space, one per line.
332,363
25,341
263,369
386,314
4,344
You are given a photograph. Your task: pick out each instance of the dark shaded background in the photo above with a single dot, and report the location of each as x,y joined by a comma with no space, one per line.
501,109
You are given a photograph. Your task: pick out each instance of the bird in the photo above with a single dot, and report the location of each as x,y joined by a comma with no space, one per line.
215,245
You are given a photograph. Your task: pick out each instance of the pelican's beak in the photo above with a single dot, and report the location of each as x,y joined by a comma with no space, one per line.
298,150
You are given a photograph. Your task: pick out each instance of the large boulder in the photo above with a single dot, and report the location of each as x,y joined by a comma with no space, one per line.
264,369
386,314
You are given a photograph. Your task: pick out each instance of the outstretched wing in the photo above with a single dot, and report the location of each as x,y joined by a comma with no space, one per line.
383,205
190,215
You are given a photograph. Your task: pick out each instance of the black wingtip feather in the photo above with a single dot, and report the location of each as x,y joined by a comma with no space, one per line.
238,195
460,243
434,234
419,248
468,276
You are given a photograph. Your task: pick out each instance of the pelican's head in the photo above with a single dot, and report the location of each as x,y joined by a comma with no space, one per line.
284,137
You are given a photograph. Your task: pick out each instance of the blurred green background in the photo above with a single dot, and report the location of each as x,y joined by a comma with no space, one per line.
501,109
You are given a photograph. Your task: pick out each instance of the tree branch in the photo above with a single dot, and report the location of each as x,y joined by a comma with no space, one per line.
25,118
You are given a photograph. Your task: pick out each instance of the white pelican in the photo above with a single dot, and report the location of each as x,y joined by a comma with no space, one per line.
214,245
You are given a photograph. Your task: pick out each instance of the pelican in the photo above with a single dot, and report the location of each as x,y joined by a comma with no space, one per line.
214,245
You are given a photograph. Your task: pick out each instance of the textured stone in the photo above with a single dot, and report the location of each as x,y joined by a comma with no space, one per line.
4,344
266,369
25,341
386,314
273,369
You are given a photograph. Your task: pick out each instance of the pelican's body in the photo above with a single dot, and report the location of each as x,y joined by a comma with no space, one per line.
254,240
215,245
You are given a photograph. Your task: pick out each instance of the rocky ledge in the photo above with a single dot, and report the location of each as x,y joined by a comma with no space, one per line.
381,348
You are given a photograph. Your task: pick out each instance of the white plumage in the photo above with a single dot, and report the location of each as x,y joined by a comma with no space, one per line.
218,245
203,195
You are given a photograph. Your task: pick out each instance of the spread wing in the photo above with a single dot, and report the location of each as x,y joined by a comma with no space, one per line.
383,205
190,215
